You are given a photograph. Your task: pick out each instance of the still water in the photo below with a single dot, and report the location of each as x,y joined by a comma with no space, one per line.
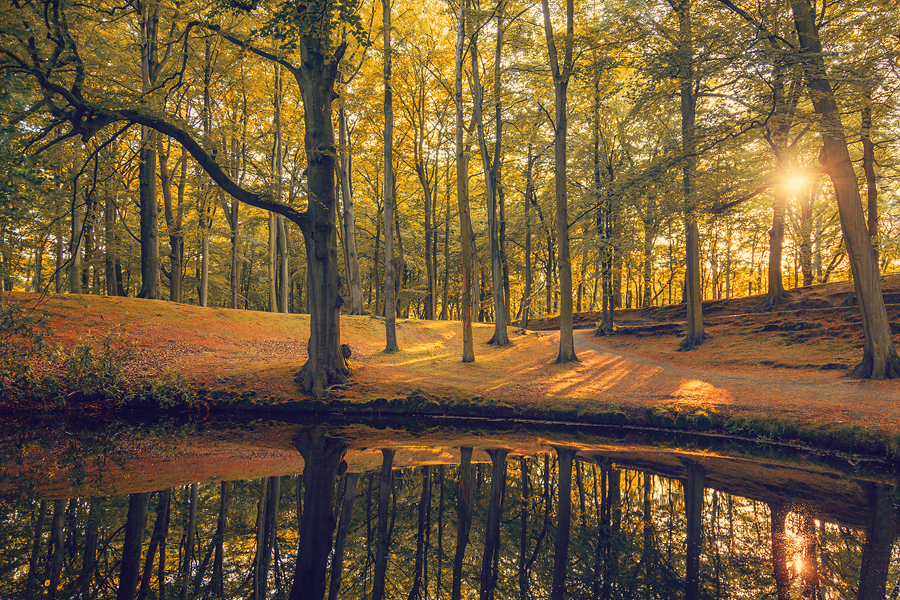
294,511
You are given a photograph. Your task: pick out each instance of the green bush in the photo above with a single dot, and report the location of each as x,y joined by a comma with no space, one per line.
95,369
168,391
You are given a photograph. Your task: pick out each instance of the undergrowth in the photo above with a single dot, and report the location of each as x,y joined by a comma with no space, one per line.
35,374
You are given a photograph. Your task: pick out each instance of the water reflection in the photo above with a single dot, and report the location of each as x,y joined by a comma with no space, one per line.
565,524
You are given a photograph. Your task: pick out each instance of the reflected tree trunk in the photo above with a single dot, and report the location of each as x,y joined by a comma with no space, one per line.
424,502
440,542
55,549
564,518
217,581
693,507
523,521
190,541
91,544
33,577
879,538
157,544
492,533
337,564
131,547
464,517
382,541
778,514
322,454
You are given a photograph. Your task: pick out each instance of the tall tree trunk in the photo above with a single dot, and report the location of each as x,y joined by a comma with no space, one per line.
390,300
326,365
523,528
148,13
76,240
880,360
354,281
491,170
561,75
322,454
692,281
466,500
775,294
382,541
278,170
529,196
462,196
173,216
868,164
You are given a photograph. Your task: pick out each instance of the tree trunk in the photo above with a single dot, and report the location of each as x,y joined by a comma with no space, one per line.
561,77
491,169
354,282
322,454
462,197
390,300
76,240
692,281
150,67
529,195
880,360
326,365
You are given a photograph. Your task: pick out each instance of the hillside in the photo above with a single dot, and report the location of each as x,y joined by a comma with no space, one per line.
787,364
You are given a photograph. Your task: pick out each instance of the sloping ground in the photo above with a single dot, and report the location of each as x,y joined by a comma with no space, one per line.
256,354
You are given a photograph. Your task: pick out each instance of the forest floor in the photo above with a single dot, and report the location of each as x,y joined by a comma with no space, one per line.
788,364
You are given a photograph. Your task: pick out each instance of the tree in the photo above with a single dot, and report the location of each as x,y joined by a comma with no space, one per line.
561,76
880,360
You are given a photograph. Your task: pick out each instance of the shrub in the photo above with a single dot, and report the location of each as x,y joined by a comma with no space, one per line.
95,369
23,335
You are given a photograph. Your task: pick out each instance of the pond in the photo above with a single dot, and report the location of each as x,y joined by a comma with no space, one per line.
376,510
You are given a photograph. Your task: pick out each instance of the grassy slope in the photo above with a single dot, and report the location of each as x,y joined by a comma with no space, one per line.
732,375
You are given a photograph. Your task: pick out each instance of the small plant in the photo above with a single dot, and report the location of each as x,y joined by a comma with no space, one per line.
168,391
95,369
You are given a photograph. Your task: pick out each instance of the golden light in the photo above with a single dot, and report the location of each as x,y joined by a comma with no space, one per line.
796,181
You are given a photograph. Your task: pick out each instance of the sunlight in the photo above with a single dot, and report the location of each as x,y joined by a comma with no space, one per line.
797,181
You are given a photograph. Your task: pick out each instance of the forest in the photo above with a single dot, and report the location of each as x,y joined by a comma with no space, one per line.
487,161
